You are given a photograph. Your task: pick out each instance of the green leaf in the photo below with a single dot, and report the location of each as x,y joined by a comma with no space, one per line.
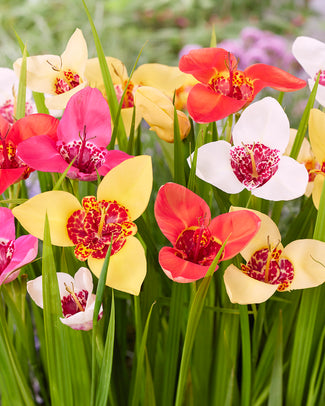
192,324
21,97
179,170
107,362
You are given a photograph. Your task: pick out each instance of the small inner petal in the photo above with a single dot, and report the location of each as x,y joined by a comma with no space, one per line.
197,245
254,164
69,305
93,228
7,249
266,265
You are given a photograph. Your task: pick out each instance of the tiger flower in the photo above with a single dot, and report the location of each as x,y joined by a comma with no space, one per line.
59,76
77,299
270,267
161,77
122,196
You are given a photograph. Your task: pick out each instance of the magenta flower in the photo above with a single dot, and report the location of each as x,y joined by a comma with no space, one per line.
83,134
13,253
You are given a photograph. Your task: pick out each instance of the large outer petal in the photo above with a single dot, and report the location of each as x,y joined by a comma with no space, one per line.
316,126
59,101
263,121
129,184
10,176
268,233
243,289
320,94
40,153
310,53
26,248
4,125
162,77
87,110
127,268
7,222
112,159
58,205
179,270
238,226
264,75
33,125
289,182
205,105
204,63
308,259
177,208
317,189
75,54
40,74
213,166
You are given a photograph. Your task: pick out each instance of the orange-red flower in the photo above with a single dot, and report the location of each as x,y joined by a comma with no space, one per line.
224,89
185,219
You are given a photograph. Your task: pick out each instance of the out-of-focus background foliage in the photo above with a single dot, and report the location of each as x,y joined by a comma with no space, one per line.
125,25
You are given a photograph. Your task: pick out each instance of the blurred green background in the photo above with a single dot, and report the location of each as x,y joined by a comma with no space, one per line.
125,25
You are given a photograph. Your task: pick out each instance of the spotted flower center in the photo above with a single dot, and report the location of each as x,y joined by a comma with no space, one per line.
88,156
321,77
266,265
66,80
128,100
233,84
7,110
74,302
197,245
254,164
93,227
7,249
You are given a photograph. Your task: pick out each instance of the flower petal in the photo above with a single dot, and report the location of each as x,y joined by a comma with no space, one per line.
87,111
289,182
40,153
40,73
320,94
317,189
213,166
59,101
316,127
127,268
26,248
35,291
7,222
263,121
310,53
238,226
205,105
58,205
162,77
33,125
203,63
10,176
243,289
129,184
82,320
178,269
308,259
83,280
271,76
76,54
268,234
112,159
177,208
